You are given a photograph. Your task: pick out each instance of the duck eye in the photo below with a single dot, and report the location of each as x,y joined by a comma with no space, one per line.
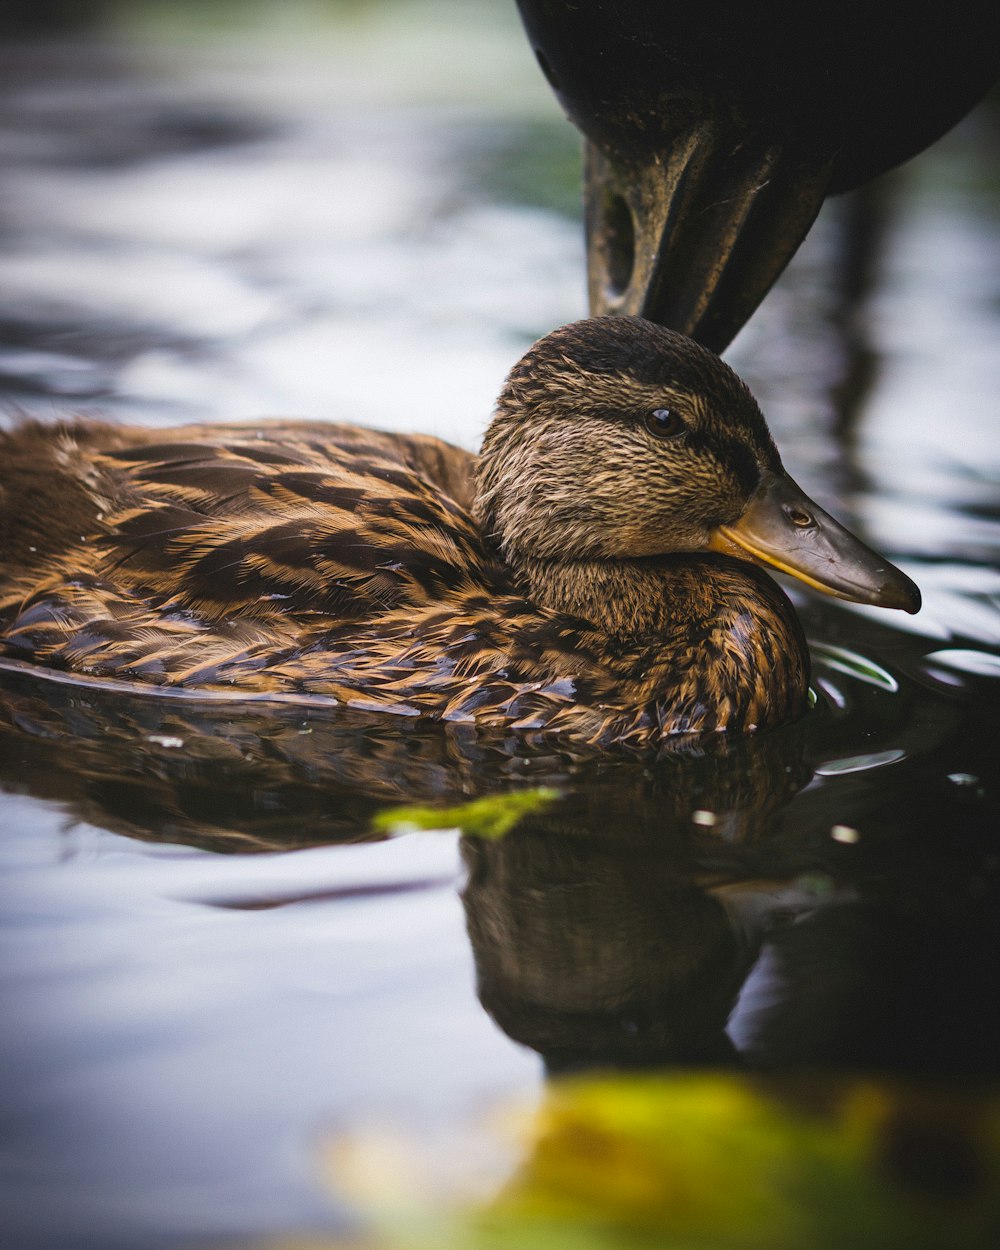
665,423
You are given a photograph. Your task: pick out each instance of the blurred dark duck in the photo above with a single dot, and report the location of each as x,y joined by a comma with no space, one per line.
594,572
715,131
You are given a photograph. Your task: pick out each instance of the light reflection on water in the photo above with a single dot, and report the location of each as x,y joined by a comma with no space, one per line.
239,279
247,229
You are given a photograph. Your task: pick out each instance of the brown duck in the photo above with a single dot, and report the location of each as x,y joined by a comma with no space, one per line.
595,572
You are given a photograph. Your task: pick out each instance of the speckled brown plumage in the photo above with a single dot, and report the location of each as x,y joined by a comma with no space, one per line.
559,583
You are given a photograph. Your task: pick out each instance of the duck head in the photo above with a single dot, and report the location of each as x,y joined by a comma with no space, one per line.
617,440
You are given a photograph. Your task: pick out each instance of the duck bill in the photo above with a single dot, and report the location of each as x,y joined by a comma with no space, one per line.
783,529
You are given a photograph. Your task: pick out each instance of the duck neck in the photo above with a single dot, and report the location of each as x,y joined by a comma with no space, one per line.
629,599
710,640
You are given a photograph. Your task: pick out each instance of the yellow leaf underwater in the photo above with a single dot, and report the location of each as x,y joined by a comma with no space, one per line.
694,1162
489,817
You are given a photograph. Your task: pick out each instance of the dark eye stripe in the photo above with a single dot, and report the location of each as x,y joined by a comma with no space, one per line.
742,462
739,459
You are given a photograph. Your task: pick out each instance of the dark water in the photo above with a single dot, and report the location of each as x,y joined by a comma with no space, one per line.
211,961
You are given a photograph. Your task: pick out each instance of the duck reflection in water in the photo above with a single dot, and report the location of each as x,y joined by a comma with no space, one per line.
603,936
635,936
233,776
634,920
